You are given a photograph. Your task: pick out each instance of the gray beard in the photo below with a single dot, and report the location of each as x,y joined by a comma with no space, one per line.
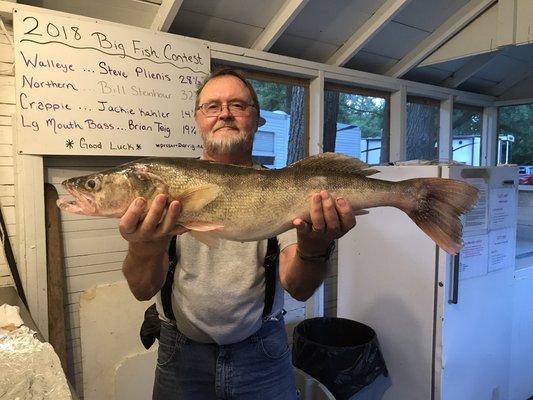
229,145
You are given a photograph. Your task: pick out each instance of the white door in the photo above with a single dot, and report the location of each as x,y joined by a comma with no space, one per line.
476,331
388,280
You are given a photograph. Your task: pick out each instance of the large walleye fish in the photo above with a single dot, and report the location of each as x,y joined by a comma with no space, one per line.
246,204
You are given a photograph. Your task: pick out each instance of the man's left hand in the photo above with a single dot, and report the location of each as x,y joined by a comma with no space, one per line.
329,218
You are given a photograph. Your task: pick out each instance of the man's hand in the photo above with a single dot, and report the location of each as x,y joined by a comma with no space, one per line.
158,225
146,263
329,220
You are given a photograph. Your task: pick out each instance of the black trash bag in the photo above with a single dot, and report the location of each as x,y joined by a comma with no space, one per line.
151,327
341,354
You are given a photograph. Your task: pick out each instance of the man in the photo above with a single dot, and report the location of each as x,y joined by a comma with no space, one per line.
220,346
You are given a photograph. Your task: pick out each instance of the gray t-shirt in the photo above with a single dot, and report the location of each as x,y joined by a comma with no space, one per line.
219,293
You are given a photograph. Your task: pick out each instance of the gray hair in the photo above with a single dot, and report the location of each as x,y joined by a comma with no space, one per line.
228,72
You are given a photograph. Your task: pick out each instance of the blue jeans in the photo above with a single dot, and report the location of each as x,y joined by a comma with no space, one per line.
257,368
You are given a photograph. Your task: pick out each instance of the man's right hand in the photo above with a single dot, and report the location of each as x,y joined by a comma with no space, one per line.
159,224
146,263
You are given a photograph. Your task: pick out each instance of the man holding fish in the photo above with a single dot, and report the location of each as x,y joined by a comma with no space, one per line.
223,333
221,345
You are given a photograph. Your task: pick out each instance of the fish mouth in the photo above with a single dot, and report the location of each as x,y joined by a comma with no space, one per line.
83,203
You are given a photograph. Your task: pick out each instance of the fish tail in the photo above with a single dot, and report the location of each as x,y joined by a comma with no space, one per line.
436,206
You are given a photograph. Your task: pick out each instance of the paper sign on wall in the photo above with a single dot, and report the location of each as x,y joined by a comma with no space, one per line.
476,219
473,257
502,248
87,87
502,208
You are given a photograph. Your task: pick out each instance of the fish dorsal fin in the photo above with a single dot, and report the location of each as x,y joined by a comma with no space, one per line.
196,198
335,162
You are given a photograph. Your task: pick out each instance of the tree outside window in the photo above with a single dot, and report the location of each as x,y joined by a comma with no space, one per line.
282,140
356,123
422,134
466,130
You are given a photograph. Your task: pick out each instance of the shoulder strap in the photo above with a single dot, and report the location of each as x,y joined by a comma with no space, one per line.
166,290
270,264
271,267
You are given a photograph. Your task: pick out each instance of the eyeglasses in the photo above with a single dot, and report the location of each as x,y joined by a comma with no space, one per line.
236,108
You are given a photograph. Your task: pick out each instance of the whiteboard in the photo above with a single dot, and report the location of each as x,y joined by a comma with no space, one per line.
87,87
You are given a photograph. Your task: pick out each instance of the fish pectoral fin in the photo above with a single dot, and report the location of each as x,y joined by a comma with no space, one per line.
361,212
202,226
196,198
206,238
203,232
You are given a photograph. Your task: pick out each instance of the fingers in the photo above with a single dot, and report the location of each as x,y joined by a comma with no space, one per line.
302,226
316,213
328,217
155,213
129,221
168,224
323,213
330,214
346,215
159,222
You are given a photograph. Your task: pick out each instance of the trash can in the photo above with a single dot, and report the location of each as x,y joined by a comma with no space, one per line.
342,354
308,388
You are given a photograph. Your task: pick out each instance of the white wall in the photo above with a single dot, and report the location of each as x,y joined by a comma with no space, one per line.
93,252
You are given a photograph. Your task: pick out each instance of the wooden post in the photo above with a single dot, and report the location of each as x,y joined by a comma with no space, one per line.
55,276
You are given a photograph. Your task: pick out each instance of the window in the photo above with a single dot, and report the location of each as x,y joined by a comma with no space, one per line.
283,138
356,123
422,134
264,146
515,146
515,135
466,130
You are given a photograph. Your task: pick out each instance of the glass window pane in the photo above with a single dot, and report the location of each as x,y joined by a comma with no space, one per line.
515,146
356,125
282,139
466,130
422,133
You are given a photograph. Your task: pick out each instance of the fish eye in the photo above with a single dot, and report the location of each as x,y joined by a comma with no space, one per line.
91,184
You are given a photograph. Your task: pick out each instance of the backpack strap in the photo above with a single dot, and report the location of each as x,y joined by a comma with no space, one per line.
271,267
166,290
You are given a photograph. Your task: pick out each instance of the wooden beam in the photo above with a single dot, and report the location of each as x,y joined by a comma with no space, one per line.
469,69
55,271
398,125
489,136
445,130
506,25
165,15
367,31
316,118
279,23
442,34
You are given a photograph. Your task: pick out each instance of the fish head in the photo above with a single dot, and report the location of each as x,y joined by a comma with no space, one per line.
107,194
110,193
